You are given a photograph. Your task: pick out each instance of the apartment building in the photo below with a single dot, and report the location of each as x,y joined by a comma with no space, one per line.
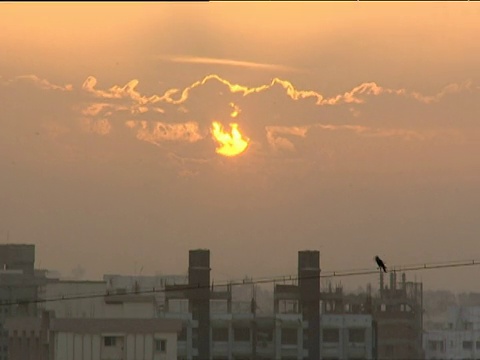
295,330
49,338
458,339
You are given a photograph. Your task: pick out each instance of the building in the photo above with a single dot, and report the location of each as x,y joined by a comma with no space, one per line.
82,320
18,286
144,284
306,322
91,299
348,336
49,338
298,309
77,303
459,338
194,341
295,330
398,313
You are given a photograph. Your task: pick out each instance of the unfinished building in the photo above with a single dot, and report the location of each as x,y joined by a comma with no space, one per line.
397,314
306,323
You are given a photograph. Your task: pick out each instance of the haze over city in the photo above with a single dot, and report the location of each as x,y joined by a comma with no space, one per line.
131,133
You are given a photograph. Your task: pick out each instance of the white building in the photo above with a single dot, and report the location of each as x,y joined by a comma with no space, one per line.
72,298
347,336
460,338
90,299
83,321
279,336
92,339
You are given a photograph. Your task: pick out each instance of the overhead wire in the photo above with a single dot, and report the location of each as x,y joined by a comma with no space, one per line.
247,281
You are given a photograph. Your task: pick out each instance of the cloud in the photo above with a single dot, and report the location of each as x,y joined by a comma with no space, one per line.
386,132
276,136
226,62
97,108
356,95
118,92
140,103
187,167
449,89
173,127
39,82
107,109
156,132
187,123
100,127
237,88
235,110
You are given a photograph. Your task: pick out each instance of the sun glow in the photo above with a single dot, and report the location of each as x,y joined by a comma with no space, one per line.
229,144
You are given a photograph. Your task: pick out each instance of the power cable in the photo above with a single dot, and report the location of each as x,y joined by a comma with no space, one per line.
252,281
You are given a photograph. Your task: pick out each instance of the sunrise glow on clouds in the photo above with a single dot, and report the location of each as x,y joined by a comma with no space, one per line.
104,108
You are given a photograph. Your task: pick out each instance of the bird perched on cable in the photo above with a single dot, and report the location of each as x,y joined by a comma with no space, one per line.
380,263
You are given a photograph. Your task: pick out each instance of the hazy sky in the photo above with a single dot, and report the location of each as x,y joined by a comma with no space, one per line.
359,124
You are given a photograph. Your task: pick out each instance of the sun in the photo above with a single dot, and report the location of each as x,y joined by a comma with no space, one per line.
229,144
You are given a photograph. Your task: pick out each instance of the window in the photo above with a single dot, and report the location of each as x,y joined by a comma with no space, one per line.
183,334
467,345
436,345
356,335
241,334
160,345
109,341
289,336
288,306
220,334
264,335
331,335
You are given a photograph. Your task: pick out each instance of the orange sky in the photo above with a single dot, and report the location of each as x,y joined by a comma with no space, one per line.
360,119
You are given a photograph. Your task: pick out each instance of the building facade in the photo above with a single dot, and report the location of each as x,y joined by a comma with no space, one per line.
398,313
91,299
306,323
18,286
348,336
296,330
459,338
48,338
144,284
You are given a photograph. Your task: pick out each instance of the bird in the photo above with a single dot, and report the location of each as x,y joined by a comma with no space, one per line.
380,263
